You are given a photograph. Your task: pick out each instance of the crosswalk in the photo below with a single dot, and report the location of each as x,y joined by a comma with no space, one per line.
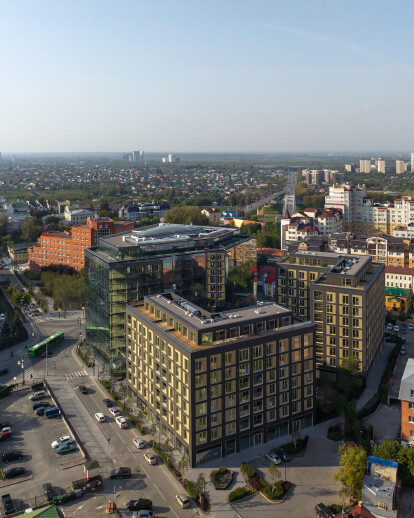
76,374
39,320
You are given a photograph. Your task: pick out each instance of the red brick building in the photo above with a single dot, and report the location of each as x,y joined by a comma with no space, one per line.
406,396
67,248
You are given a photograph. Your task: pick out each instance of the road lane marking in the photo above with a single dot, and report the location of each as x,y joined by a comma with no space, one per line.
174,512
160,492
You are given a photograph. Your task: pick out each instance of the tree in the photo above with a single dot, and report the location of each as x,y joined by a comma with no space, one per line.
31,229
274,474
184,465
168,450
353,461
26,298
153,430
6,331
350,364
347,410
185,216
3,224
392,450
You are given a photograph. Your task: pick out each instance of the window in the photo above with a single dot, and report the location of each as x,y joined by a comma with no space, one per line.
411,419
257,365
198,365
229,358
257,351
244,355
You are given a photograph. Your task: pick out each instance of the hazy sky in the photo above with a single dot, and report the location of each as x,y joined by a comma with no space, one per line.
183,76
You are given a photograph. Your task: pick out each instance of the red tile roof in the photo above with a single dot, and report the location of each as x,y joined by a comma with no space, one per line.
400,270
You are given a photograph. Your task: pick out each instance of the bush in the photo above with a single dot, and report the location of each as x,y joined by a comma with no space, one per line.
247,470
192,490
255,484
300,446
273,493
238,493
335,508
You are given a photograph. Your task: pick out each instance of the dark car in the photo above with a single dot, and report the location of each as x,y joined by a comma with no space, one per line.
283,455
108,402
40,404
120,473
41,410
48,353
37,386
11,455
14,472
48,491
142,504
83,389
4,436
5,425
3,372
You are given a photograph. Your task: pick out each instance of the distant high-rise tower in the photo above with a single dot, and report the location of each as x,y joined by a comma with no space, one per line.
138,156
365,165
380,165
0,158
412,161
399,166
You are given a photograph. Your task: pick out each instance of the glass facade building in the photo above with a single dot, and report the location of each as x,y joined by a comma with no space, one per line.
189,260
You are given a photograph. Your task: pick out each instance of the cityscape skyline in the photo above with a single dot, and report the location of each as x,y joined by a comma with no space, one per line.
188,77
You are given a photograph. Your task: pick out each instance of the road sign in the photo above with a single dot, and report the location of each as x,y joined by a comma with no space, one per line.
54,365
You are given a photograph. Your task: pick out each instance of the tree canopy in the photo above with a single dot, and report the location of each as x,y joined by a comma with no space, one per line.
185,216
353,461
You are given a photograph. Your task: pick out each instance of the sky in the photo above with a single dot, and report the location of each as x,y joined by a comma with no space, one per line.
206,75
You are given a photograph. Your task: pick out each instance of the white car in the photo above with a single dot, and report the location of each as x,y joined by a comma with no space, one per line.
37,395
150,458
273,457
410,327
389,327
396,329
139,443
121,421
100,417
115,411
65,439
7,429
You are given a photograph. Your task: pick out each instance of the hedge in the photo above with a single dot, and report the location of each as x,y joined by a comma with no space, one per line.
273,494
238,493
247,470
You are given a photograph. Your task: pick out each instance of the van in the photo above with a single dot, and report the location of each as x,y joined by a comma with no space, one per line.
324,512
52,412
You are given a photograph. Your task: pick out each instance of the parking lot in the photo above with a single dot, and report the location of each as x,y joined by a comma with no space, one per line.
33,435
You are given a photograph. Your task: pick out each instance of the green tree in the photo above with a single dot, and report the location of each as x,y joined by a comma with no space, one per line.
31,229
351,364
274,474
26,298
347,410
184,465
392,450
185,216
353,461
3,224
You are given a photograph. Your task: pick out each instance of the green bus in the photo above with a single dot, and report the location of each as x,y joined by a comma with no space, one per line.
41,346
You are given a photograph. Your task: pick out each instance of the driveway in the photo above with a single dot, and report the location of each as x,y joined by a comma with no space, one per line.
312,483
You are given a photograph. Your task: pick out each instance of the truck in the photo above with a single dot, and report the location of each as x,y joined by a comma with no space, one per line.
52,412
8,504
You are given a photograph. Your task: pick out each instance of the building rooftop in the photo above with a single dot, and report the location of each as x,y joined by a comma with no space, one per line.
407,382
202,319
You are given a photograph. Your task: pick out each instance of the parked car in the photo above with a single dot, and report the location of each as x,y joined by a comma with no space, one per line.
3,372
115,411
41,404
52,412
121,421
6,429
40,410
62,440
396,329
120,473
273,457
83,389
402,350
8,504
4,436
37,386
4,425
48,491
66,448
37,395
99,417
322,511
139,443
183,501
410,327
14,472
389,327
8,456
283,455
143,514
108,402
47,354
141,504
150,458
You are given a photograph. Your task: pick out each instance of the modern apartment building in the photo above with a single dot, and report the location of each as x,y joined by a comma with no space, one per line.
219,383
365,165
399,166
363,216
190,260
343,296
68,248
380,165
